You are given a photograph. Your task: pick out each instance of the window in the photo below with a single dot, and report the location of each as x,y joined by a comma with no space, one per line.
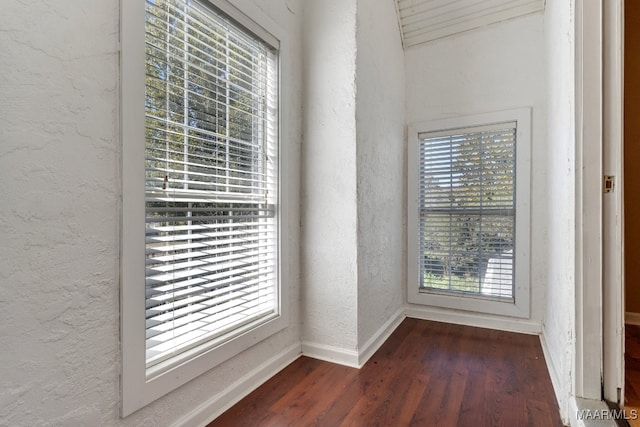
201,204
210,179
469,210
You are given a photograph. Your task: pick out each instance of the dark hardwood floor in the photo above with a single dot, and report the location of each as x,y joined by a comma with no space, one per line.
632,372
425,374
632,365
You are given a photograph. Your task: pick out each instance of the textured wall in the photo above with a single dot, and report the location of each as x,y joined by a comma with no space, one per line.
329,215
559,315
491,69
59,218
380,157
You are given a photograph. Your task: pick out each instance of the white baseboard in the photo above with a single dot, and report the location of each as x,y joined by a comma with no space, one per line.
357,359
222,401
632,318
331,354
577,406
573,413
376,341
354,358
555,382
219,403
509,324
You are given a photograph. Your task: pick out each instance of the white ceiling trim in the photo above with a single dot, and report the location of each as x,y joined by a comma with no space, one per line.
425,20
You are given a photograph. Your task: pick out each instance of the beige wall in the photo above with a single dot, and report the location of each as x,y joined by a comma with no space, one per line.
632,155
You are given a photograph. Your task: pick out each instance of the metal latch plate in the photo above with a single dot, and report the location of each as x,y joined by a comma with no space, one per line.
609,183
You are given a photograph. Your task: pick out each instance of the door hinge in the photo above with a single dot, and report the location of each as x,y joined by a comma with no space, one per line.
609,183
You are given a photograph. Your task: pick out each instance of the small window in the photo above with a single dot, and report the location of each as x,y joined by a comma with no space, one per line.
465,214
201,205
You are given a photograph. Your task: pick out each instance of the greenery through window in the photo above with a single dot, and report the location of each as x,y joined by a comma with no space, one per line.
467,211
211,179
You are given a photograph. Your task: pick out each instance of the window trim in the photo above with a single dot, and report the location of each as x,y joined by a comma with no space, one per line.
136,390
520,307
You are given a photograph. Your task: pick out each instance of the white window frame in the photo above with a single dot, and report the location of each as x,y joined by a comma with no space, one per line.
137,390
520,307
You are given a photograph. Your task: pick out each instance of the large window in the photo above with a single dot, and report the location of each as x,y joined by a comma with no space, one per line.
464,182
206,275
211,164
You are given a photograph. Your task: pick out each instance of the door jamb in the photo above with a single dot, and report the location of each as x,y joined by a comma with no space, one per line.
588,293
613,212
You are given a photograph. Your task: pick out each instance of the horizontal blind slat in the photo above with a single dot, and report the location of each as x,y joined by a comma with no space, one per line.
211,178
467,211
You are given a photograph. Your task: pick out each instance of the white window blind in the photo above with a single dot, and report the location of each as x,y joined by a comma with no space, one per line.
211,180
467,211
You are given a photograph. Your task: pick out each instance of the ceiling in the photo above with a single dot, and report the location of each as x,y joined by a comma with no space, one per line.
425,20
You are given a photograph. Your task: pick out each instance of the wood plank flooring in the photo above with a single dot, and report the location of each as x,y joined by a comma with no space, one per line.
632,365
632,371
425,374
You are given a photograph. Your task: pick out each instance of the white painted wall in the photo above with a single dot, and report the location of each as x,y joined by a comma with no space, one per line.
59,219
352,163
525,62
495,68
59,164
329,213
380,162
559,310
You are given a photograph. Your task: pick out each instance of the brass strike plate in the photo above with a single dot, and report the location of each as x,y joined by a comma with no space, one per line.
609,183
